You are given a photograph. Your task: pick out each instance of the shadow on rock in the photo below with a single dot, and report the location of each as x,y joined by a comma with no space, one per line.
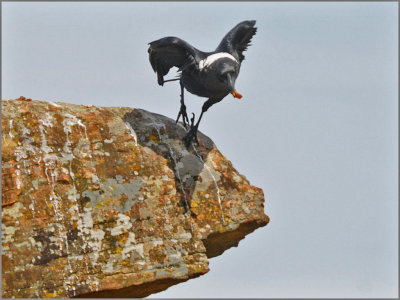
165,137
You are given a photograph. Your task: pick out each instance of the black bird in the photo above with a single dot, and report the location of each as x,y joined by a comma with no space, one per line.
205,74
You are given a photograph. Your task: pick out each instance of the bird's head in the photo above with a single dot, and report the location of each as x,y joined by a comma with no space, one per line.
228,71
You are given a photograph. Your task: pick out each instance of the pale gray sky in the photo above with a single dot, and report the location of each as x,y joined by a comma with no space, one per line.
316,129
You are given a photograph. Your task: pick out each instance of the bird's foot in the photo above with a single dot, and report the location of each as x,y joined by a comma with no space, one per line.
182,112
192,134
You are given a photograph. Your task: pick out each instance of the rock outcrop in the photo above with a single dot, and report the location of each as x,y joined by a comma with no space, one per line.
108,202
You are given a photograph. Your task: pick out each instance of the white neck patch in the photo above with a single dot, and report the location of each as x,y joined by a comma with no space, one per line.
213,58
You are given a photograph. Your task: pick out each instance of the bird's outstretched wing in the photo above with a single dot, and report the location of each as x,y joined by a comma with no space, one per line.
238,39
171,52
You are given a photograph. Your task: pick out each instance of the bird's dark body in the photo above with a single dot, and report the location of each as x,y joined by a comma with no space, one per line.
205,74
205,83
193,83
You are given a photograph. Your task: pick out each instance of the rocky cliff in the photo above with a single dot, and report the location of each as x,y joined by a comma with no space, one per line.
107,202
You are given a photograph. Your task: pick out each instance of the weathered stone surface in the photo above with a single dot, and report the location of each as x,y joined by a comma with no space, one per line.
107,202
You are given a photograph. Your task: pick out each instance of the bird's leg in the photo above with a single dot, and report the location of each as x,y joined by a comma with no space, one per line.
192,120
182,111
175,79
192,134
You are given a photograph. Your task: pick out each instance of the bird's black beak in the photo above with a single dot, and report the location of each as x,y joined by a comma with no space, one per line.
230,82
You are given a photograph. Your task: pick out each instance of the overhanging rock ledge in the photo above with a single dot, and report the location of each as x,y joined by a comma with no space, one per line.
108,202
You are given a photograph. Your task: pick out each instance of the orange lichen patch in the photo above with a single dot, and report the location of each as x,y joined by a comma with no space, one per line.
10,189
53,108
90,116
8,147
22,98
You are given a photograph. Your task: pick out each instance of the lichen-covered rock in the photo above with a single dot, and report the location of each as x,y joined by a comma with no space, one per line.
107,202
